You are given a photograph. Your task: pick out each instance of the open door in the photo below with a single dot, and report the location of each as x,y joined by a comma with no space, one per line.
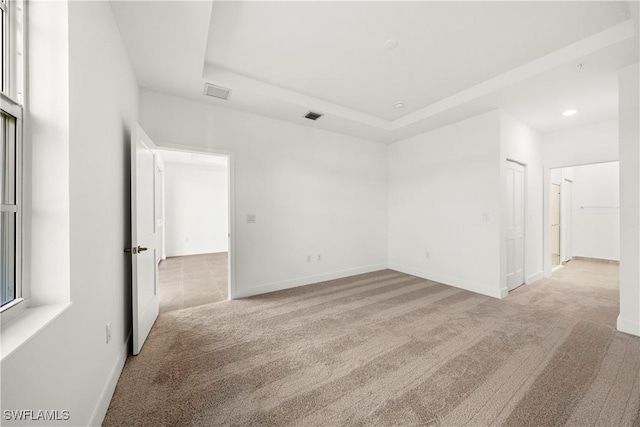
144,237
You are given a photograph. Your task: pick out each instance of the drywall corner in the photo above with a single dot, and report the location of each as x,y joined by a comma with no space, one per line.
629,132
444,208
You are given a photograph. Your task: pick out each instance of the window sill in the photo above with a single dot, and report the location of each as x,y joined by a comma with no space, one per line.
18,331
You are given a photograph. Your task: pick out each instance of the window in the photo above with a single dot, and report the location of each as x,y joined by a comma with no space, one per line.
11,153
10,213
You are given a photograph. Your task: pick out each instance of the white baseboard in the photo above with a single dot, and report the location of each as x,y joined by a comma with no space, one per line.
451,281
109,388
628,326
303,281
504,292
534,277
556,268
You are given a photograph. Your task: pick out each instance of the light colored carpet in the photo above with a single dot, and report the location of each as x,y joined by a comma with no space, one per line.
385,349
192,280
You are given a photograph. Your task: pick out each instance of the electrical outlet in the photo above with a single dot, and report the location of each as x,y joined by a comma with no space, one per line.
319,257
485,216
251,219
108,332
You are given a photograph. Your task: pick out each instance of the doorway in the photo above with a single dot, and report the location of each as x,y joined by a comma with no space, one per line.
194,218
585,248
584,214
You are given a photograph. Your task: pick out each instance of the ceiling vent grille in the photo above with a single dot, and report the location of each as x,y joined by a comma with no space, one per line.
217,91
312,116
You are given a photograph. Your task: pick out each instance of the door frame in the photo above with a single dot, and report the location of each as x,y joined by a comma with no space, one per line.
231,262
548,230
565,212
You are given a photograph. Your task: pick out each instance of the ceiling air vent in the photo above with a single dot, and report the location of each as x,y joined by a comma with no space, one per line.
312,116
217,91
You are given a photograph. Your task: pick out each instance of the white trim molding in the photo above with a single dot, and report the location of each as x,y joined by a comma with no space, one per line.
478,288
534,277
303,281
100,411
628,326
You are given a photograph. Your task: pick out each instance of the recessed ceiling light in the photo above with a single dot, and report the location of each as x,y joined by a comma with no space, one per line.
390,44
399,105
569,112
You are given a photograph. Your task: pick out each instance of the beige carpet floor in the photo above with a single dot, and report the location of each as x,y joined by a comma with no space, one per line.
192,280
386,348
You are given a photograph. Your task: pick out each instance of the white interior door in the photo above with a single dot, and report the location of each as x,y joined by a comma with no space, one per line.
515,225
144,237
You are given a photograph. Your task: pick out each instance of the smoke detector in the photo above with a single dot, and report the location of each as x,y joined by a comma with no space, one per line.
217,91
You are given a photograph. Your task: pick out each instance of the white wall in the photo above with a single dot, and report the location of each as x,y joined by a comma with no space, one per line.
522,144
46,150
595,213
68,365
312,192
441,184
629,319
196,209
594,143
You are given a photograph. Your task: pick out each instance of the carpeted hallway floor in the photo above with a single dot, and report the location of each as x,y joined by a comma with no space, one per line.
387,349
192,280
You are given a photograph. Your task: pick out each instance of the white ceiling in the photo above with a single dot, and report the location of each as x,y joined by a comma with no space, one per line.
454,59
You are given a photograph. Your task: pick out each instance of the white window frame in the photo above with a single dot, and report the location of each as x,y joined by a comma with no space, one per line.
11,109
5,46
11,96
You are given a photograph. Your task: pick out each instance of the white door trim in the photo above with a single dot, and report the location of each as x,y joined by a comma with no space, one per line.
565,220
